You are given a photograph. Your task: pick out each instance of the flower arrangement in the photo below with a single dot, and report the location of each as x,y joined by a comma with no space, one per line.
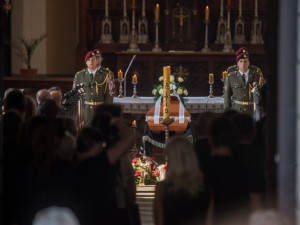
175,86
146,170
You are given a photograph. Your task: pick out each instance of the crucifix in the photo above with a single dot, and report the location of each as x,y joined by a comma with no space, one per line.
181,16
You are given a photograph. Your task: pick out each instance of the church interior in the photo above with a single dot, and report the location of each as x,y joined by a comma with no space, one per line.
198,41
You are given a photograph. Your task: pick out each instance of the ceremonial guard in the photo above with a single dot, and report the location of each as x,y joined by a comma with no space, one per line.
239,83
98,82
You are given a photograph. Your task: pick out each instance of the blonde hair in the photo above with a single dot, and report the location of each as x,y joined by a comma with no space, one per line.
183,172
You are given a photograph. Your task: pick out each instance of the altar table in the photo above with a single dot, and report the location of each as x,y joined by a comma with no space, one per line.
141,105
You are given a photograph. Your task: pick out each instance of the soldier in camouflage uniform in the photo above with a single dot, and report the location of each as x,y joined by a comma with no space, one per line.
97,82
239,83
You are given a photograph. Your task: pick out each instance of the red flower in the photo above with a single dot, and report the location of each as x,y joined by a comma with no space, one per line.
134,155
153,158
154,167
157,174
141,157
134,161
137,173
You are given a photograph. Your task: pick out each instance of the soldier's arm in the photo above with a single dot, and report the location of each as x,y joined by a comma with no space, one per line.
227,94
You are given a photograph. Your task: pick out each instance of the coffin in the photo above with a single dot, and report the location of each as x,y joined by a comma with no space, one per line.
179,128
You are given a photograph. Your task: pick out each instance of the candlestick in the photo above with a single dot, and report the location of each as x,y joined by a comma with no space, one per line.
120,75
156,48
166,92
206,48
120,88
134,149
133,37
166,123
157,12
207,13
211,81
134,89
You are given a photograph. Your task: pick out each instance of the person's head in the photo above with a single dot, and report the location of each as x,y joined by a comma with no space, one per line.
242,58
42,95
55,215
57,97
98,56
30,107
90,61
48,109
15,100
221,132
202,123
12,121
183,171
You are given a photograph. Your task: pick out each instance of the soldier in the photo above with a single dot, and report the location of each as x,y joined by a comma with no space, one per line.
96,84
239,83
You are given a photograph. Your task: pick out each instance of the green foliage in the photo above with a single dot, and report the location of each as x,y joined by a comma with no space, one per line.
25,49
176,85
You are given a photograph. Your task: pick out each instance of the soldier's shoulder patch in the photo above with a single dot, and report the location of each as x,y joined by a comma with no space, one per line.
81,71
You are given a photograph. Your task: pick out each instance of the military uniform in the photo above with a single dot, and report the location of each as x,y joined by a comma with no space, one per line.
97,89
238,95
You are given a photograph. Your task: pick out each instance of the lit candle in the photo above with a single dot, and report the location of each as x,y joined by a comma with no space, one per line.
134,123
134,78
224,75
120,75
211,78
207,14
157,12
166,96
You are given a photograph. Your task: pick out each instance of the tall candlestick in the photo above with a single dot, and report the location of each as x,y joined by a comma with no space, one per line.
106,8
221,11
240,8
256,9
166,96
157,12
120,75
124,9
207,13
211,78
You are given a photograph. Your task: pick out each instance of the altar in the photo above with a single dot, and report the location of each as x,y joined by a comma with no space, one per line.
193,105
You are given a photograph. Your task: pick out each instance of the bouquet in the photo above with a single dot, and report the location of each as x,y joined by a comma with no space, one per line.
146,170
176,86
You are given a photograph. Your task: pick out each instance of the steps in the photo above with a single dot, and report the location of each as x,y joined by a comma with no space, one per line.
145,199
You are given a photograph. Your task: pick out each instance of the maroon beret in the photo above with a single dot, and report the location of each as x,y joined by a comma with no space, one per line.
97,51
242,53
88,55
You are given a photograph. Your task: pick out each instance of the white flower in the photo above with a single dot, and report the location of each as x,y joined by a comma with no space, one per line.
171,86
154,91
172,78
180,79
161,91
179,91
185,92
161,78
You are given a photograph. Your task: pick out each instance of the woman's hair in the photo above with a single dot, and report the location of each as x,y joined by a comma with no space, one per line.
183,172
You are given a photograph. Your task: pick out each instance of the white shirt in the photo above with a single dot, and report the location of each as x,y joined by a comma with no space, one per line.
246,75
94,72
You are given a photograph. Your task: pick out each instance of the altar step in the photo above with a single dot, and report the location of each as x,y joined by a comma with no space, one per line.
145,199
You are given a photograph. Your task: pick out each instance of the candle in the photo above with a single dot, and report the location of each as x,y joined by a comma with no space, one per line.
207,14
134,78
166,96
133,2
157,12
120,75
134,124
228,2
211,78
224,75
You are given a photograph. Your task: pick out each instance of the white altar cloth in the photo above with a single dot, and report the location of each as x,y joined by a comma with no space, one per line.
141,105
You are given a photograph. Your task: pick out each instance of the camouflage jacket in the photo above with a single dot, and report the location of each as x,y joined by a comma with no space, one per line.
236,89
97,89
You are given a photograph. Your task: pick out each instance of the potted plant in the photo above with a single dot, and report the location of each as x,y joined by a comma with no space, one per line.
25,50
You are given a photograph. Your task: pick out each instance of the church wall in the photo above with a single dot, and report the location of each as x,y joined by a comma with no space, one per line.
62,40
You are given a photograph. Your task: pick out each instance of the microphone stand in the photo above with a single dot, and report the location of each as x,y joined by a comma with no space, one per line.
126,74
